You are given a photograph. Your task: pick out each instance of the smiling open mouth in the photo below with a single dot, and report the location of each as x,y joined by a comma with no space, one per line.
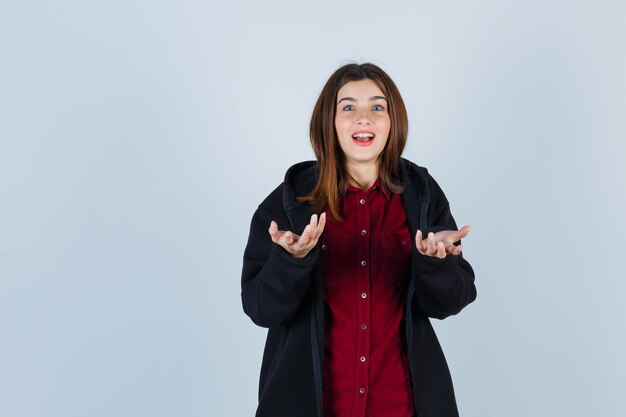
363,137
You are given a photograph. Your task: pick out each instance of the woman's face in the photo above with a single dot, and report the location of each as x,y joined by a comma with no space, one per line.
362,121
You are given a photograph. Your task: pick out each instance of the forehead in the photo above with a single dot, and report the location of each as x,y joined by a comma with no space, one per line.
362,89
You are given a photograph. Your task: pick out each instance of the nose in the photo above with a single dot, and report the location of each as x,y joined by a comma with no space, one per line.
363,119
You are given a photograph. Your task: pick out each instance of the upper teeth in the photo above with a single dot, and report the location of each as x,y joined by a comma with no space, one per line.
363,135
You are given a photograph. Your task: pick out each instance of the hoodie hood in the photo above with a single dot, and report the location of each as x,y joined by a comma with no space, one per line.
300,180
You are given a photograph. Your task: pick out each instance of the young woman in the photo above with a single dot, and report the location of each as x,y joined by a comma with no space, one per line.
347,295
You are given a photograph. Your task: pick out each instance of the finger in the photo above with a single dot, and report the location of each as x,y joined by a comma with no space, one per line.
441,250
428,244
312,227
274,233
320,225
316,232
460,234
278,237
305,238
451,236
453,250
289,237
313,221
419,243
432,246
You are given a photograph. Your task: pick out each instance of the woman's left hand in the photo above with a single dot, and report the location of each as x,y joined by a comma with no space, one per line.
441,244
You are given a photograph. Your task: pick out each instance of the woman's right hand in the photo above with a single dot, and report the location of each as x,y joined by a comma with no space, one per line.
299,246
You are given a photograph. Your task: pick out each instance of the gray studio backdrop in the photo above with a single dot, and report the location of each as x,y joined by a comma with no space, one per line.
137,138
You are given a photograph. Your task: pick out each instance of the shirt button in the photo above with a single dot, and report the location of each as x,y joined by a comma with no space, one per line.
363,295
324,247
363,232
363,326
361,390
362,201
362,358
363,263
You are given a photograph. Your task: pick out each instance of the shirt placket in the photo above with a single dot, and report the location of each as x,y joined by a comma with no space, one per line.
364,304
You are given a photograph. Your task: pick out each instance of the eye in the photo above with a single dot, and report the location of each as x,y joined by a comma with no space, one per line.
349,107
378,107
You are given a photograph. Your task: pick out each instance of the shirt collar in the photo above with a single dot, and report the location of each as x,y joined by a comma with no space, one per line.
376,186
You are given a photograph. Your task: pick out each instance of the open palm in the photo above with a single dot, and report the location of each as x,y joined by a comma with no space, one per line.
441,244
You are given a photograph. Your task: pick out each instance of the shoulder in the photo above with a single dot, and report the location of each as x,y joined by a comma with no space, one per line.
413,168
420,180
413,175
299,180
274,200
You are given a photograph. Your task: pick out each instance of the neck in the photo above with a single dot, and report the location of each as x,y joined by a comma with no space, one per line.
364,175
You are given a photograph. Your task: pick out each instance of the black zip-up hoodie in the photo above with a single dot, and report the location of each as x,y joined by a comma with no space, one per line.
285,295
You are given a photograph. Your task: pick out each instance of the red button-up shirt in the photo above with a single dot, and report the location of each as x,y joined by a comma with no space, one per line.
365,260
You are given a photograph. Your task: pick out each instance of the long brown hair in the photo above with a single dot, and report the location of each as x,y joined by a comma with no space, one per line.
333,175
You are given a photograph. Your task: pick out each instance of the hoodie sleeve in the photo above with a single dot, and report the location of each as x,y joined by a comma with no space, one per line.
444,286
273,283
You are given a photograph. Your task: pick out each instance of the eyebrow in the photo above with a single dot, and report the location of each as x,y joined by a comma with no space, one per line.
373,98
